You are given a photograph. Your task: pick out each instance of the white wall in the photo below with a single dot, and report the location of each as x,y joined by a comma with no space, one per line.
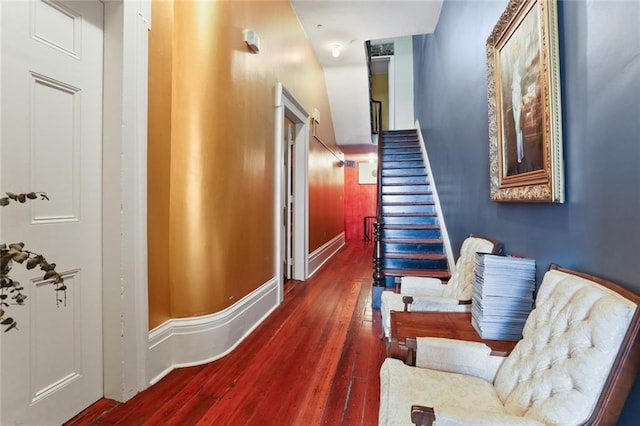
348,91
403,83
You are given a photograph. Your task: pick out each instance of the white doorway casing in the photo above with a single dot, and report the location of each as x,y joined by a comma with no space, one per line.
287,105
124,198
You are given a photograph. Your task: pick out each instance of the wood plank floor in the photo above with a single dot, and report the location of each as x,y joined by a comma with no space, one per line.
314,361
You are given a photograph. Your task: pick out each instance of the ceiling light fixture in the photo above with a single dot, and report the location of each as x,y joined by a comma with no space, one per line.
335,50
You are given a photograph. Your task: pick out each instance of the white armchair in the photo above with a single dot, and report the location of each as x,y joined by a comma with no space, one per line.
576,362
430,294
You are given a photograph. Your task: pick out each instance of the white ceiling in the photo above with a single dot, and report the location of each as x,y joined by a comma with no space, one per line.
350,24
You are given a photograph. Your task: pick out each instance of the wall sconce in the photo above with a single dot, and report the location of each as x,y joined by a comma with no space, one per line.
340,163
335,50
252,40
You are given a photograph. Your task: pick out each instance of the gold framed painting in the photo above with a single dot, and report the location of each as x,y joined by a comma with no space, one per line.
525,117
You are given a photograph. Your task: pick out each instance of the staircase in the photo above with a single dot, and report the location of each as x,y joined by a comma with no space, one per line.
411,237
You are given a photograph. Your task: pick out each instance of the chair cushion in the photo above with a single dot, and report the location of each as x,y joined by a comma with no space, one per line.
402,386
570,340
421,286
460,285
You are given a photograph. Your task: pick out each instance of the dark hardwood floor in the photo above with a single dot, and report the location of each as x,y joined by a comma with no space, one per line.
315,360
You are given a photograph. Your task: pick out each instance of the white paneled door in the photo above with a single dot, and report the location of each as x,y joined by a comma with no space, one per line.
51,140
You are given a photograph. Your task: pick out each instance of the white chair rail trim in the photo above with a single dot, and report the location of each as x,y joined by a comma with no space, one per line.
185,342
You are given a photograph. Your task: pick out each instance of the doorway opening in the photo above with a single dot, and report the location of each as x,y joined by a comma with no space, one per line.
291,224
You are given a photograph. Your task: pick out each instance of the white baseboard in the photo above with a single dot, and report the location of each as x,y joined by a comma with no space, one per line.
324,253
443,226
184,342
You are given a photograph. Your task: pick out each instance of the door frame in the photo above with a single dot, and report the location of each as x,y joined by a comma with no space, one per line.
124,198
287,104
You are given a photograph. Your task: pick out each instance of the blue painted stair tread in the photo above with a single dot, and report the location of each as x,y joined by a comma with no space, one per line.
412,238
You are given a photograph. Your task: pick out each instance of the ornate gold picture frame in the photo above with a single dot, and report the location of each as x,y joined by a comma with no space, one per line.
525,120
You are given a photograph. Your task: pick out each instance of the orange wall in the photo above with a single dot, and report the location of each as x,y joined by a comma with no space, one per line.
326,205
359,200
212,241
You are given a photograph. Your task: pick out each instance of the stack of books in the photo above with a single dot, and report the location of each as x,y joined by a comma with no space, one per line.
503,290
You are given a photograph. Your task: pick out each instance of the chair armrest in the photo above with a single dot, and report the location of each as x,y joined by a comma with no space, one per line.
458,356
421,286
422,416
431,303
470,416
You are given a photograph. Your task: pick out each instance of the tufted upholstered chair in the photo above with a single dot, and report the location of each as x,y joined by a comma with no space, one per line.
576,362
430,294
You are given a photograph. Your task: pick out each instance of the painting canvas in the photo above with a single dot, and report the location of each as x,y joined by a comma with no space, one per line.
524,104
367,173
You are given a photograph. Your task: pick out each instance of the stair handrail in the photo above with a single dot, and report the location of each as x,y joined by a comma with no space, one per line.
375,107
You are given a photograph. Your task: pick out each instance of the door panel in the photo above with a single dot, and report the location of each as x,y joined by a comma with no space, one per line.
287,198
51,140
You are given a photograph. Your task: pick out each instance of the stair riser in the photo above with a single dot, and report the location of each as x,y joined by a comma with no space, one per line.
415,263
413,248
401,156
402,164
404,172
411,220
404,188
424,208
399,137
406,198
408,180
402,148
412,233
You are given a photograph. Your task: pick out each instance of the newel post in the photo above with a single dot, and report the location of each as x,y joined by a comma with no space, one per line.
378,260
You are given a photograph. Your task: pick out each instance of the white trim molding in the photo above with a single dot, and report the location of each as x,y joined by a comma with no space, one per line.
324,253
432,181
286,104
124,189
184,342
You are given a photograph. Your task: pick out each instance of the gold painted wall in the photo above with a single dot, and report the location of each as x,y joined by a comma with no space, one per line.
213,240
380,89
159,161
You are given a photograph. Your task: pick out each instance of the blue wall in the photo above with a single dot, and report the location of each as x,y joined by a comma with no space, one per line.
597,230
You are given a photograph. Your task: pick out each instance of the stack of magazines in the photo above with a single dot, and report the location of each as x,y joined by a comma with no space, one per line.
503,289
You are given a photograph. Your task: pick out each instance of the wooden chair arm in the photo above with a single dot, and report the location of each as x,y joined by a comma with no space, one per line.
422,415
407,300
405,351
